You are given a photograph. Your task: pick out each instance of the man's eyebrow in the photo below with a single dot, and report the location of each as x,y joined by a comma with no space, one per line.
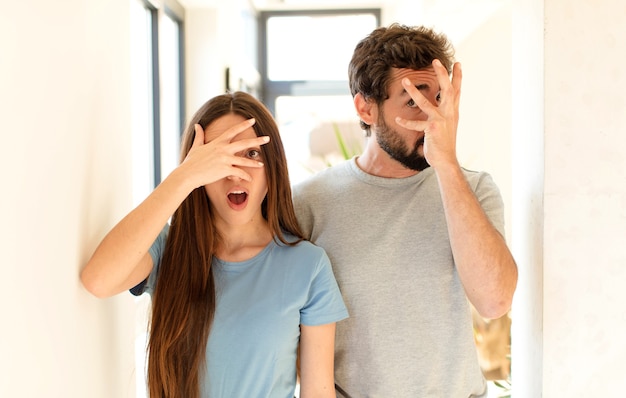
420,87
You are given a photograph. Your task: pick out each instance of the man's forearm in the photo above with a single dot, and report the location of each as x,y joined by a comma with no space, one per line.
483,260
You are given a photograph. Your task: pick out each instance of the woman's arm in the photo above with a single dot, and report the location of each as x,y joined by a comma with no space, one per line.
122,261
317,353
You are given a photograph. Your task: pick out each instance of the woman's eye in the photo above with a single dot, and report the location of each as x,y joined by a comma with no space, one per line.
438,97
253,154
411,104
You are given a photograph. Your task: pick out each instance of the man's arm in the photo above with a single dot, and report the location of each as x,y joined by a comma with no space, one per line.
484,262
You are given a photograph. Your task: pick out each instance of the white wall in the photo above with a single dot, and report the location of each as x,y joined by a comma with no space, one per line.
570,102
215,38
204,76
527,197
64,166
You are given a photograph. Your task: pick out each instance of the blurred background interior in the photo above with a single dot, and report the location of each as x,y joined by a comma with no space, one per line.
94,94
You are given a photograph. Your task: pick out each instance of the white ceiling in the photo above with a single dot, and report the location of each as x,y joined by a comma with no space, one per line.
309,4
458,18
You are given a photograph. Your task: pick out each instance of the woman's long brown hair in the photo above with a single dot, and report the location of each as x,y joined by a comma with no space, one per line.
183,302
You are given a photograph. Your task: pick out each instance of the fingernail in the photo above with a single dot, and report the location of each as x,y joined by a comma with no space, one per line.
266,138
252,121
436,62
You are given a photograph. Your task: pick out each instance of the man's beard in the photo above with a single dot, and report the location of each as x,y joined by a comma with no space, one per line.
391,142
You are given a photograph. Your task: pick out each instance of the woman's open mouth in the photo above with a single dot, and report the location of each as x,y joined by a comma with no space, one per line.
237,198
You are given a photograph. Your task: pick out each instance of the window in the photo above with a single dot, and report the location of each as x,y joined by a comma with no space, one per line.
143,102
171,87
157,109
304,57
157,92
307,52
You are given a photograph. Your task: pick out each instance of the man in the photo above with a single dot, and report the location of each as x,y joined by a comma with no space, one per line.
410,233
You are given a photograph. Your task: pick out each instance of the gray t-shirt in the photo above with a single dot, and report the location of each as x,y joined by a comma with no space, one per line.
410,328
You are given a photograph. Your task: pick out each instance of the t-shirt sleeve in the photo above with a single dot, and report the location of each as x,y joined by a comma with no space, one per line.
156,252
488,194
324,303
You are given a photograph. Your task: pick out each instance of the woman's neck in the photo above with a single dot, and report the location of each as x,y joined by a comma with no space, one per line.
242,242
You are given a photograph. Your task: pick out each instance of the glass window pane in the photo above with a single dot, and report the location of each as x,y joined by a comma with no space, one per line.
142,104
314,47
307,128
169,39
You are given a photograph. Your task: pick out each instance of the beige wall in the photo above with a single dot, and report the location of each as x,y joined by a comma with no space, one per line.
64,165
569,189
585,199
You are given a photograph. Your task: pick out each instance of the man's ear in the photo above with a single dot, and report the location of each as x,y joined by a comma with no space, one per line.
366,109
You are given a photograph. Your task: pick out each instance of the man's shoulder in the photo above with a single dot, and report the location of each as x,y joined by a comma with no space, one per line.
477,178
322,180
471,172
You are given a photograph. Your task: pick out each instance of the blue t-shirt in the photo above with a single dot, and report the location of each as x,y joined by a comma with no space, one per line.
261,304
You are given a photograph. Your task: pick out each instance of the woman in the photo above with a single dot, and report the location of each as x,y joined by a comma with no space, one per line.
235,289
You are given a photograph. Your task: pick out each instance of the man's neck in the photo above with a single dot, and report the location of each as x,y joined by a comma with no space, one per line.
375,161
